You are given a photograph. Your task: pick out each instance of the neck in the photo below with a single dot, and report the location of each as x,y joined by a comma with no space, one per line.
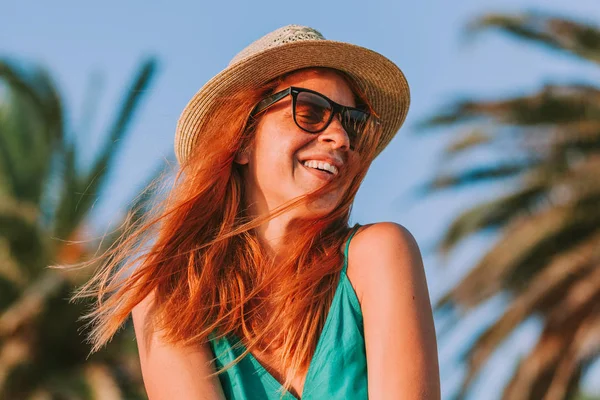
272,233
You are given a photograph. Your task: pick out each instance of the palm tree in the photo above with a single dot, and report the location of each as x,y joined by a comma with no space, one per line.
547,255
44,201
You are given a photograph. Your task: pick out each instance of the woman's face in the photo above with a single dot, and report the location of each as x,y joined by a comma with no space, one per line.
280,162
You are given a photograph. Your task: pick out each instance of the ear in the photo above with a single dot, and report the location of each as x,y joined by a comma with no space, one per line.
242,157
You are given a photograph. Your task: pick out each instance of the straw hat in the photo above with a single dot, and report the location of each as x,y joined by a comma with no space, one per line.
290,48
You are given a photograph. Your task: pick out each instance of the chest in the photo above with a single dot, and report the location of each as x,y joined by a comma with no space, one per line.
337,368
270,362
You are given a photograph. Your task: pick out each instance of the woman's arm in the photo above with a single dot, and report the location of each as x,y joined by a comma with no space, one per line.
386,269
172,372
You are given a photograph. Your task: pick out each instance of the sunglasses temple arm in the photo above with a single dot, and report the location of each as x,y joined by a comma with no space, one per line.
269,101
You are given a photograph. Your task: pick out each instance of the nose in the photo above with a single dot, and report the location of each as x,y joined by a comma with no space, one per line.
335,135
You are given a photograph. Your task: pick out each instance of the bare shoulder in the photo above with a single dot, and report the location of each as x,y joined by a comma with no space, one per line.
386,270
382,236
380,252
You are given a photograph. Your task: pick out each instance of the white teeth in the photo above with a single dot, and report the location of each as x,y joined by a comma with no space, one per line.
325,166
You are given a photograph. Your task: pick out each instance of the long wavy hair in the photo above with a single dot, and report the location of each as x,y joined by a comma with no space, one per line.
197,251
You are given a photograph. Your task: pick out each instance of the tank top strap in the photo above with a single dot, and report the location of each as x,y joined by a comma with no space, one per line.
352,232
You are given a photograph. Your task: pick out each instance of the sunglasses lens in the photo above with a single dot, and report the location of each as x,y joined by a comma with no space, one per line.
312,112
354,123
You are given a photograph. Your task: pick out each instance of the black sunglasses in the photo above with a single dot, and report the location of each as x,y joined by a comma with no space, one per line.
313,112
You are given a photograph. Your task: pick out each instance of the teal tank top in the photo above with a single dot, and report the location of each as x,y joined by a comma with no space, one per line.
338,369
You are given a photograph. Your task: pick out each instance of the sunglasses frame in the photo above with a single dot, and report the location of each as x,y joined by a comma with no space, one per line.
337,109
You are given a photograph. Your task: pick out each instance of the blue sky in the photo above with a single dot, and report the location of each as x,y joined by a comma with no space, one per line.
82,41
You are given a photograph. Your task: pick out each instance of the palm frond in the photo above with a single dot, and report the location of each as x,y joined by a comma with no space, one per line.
584,347
10,271
545,289
535,374
547,255
38,87
583,135
31,303
567,36
67,204
31,128
13,352
42,354
25,242
479,174
89,187
524,247
468,140
553,104
488,215
102,384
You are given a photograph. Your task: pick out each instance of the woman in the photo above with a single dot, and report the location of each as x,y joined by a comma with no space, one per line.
254,285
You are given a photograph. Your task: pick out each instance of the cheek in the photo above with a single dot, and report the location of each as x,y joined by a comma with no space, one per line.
277,142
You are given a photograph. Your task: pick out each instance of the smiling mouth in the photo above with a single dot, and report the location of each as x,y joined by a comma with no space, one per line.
321,166
320,173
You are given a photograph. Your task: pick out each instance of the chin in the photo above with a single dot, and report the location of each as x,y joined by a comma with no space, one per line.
325,204
320,207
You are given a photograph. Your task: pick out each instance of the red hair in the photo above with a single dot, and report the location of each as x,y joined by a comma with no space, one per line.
198,253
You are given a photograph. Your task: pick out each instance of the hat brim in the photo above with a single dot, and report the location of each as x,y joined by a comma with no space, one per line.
382,81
